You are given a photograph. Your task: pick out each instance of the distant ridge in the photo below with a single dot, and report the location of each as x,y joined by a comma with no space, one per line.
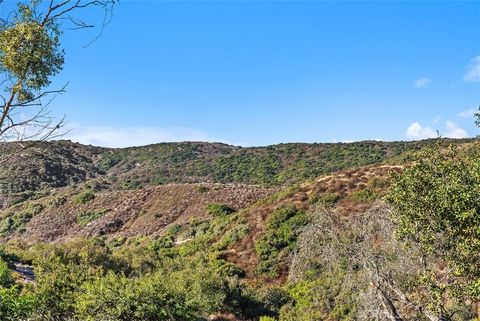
64,163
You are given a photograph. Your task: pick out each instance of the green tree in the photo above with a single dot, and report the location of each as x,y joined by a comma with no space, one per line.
30,55
477,117
5,274
438,211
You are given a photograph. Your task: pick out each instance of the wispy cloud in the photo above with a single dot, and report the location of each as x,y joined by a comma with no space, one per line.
133,136
416,131
467,113
472,73
422,82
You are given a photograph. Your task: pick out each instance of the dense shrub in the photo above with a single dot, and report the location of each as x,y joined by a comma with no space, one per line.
83,218
16,222
365,195
5,275
324,297
130,184
84,197
14,305
272,165
219,209
283,227
180,296
325,199
438,208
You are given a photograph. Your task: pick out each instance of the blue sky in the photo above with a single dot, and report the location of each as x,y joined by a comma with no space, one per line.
258,72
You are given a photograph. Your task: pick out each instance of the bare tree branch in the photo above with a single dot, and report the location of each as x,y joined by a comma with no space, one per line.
25,106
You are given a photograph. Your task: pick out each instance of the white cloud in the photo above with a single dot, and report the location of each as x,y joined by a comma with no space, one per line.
416,131
467,113
453,131
133,136
472,73
422,82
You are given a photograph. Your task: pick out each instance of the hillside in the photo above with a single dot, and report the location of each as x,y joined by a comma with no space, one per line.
285,231
33,172
66,190
73,213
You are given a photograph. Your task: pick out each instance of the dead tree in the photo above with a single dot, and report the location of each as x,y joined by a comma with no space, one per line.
376,259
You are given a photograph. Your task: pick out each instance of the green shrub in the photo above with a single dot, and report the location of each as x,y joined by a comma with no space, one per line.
203,189
14,305
377,183
130,184
326,199
438,210
283,228
84,218
173,230
179,292
233,235
327,297
112,159
219,209
84,197
15,222
5,274
229,269
365,195
57,202
34,209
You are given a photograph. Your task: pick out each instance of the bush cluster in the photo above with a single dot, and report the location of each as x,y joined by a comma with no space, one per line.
283,228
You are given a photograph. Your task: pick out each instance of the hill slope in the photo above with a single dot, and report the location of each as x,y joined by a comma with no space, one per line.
35,171
286,231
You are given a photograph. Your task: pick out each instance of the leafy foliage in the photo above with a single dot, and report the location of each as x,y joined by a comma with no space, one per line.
321,298
17,221
365,195
15,306
84,197
6,278
84,218
437,200
219,209
184,295
283,227
325,199
30,52
272,165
